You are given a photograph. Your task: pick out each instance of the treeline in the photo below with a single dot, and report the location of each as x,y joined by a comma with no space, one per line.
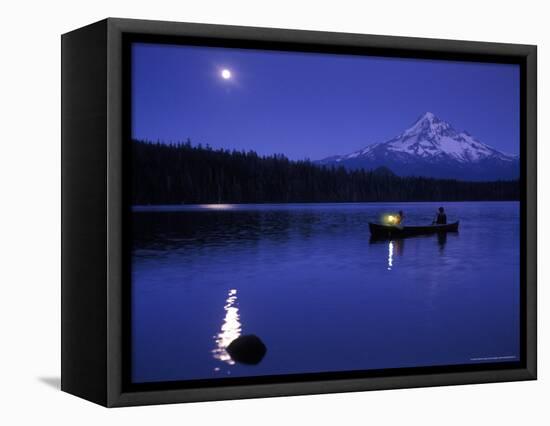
183,173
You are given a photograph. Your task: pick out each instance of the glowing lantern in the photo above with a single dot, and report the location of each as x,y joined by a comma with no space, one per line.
390,219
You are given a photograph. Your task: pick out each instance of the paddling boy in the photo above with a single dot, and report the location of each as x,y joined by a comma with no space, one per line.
441,218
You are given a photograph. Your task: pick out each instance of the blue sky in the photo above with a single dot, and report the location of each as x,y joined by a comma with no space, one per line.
310,105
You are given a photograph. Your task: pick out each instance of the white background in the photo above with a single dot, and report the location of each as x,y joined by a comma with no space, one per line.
30,211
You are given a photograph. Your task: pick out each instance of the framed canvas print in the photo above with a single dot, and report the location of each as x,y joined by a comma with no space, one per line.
253,212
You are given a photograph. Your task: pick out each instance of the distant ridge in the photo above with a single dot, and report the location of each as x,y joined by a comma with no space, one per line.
431,147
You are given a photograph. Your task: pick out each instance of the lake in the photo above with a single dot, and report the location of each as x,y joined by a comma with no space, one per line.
323,297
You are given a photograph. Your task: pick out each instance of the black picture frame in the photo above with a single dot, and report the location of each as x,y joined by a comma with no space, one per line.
95,214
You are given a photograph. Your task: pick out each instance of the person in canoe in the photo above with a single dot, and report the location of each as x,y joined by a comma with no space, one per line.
395,219
399,218
441,217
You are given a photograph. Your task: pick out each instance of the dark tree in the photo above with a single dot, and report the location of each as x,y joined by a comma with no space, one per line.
182,173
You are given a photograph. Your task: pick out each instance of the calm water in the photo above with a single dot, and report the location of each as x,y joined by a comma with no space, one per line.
309,282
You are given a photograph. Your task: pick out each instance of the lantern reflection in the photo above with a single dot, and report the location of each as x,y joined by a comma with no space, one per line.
390,255
395,248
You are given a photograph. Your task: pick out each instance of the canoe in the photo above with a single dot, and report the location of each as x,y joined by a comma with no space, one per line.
389,231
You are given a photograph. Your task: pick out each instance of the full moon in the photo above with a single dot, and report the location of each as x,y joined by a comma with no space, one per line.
226,74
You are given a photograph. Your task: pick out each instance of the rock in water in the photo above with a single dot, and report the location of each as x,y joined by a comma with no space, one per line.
247,349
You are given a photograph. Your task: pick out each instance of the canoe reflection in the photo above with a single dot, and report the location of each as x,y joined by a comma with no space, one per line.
396,246
442,241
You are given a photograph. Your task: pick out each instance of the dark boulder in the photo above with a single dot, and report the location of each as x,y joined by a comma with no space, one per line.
247,349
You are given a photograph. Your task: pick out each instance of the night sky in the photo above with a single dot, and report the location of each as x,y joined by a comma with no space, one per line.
309,105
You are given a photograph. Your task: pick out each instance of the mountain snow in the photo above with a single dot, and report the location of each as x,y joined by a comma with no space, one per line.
430,142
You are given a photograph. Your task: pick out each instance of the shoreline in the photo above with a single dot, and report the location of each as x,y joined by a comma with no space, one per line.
236,206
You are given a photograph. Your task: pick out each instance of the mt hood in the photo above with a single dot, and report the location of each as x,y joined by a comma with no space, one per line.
431,147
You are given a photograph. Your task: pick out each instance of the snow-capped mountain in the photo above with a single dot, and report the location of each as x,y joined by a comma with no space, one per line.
432,147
